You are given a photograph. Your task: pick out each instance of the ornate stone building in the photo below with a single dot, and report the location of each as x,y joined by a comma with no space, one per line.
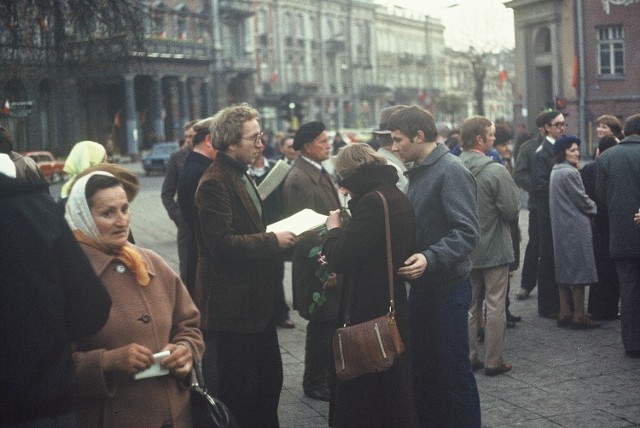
339,61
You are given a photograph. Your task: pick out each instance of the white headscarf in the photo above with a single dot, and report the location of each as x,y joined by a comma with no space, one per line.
77,211
7,167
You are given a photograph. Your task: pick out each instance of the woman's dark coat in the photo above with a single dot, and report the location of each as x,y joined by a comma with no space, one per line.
358,251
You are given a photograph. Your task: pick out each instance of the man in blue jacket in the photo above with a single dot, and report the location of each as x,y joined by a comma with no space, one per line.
443,194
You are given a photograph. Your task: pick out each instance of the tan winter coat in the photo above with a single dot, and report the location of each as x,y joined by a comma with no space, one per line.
153,316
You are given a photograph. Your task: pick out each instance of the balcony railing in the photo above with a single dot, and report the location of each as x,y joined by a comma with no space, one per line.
236,8
120,46
239,65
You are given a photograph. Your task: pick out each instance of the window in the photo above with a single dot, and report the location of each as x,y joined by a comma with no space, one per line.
611,51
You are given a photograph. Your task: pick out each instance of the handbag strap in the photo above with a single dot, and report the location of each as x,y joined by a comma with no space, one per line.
387,232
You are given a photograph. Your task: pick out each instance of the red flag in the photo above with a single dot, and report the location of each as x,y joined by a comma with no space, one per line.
6,108
574,79
501,78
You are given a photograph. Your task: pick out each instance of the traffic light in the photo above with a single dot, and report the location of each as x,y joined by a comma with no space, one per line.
284,113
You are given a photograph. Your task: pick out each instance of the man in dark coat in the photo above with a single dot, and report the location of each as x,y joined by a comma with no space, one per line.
618,183
308,185
523,176
168,196
234,291
196,163
50,297
548,297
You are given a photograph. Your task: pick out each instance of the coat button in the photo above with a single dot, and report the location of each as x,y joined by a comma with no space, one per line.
145,318
120,269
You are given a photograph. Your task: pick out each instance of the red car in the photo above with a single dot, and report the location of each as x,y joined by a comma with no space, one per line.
51,167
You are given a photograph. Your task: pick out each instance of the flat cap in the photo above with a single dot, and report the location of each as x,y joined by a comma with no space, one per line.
307,133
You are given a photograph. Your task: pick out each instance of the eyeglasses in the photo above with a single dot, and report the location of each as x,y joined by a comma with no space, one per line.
559,124
255,139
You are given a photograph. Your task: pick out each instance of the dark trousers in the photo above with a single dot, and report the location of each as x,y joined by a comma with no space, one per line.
605,295
280,304
629,276
183,236
250,376
531,253
548,297
445,388
317,354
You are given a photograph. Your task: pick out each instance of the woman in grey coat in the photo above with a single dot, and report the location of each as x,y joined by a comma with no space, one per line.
570,209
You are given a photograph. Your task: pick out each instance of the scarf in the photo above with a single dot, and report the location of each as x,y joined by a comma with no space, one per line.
126,254
80,220
83,155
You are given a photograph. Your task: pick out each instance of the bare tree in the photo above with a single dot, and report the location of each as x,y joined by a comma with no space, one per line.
56,32
479,71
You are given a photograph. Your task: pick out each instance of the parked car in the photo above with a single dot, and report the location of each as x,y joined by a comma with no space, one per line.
158,157
51,168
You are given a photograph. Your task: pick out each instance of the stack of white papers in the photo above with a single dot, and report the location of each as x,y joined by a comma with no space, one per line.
300,222
273,179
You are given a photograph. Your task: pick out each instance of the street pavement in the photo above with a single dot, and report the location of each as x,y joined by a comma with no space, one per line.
560,377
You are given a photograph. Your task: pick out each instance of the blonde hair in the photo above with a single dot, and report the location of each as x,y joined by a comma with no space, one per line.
226,125
354,156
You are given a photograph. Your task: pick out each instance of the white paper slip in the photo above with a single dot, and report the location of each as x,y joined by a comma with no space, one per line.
155,369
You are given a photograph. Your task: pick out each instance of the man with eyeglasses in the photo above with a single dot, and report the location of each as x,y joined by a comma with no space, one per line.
548,297
236,257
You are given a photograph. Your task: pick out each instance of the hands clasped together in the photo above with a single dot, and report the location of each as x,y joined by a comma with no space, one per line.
134,358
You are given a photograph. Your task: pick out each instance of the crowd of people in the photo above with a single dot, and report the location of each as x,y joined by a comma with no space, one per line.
108,310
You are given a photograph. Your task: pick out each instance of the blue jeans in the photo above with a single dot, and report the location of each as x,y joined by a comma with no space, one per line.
445,388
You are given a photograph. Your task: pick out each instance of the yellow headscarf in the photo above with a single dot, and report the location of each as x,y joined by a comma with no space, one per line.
83,155
78,215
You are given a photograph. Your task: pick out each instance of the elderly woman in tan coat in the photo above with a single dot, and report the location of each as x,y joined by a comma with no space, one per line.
151,312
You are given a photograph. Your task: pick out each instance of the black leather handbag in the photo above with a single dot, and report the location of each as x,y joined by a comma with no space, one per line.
207,411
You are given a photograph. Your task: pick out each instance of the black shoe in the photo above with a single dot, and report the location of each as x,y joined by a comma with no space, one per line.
550,315
477,365
502,368
511,324
633,354
321,394
523,294
513,318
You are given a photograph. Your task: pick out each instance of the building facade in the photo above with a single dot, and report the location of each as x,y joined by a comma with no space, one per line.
578,56
338,61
